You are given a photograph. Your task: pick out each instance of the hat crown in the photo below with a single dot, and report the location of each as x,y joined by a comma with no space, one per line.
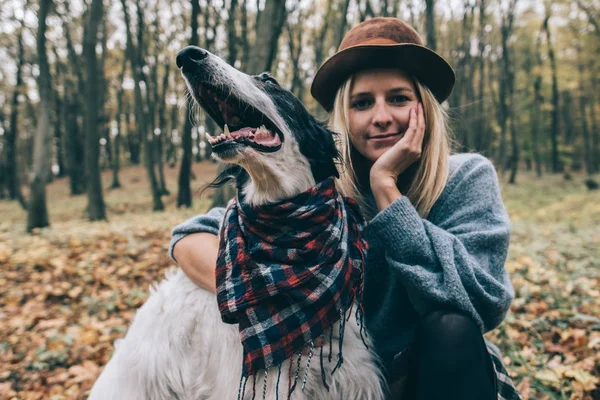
381,31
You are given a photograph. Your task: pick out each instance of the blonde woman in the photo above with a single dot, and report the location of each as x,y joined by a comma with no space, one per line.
438,232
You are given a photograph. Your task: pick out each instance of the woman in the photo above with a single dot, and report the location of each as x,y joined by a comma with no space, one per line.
438,232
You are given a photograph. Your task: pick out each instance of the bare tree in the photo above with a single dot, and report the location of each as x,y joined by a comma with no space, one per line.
481,140
118,127
95,208
12,168
263,56
537,105
73,105
506,100
184,195
37,213
342,23
588,150
430,23
135,54
555,128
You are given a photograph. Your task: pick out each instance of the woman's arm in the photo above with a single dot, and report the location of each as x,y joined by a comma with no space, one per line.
195,245
455,258
196,254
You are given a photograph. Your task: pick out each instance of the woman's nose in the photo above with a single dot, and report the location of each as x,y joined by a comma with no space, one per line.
382,116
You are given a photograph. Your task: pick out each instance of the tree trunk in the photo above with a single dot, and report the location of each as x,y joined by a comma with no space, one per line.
263,56
12,166
73,115
118,134
135,55
73,139
587,142
231,34
481,139
430,23
184,193
342,24
173,136
59,125
537,107
162,125
295,46
506,84
37,215
93,95
319,40
555,127
244,37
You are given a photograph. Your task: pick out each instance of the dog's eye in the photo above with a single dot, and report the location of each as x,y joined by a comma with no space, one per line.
269,79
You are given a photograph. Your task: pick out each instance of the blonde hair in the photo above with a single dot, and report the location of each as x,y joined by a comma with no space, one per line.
432,174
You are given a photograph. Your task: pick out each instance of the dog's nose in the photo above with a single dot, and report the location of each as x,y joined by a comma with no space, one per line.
190,56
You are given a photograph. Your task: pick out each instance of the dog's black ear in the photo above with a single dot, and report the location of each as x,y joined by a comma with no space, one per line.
230,172
327,155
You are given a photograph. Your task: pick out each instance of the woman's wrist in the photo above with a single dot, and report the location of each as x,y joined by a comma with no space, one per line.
385,192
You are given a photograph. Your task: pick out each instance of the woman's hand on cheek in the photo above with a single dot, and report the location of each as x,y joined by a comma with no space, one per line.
385,171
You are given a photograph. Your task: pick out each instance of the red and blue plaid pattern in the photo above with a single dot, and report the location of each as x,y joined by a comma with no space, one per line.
287,271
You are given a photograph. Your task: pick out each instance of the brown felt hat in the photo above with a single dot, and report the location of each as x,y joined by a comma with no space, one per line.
382,43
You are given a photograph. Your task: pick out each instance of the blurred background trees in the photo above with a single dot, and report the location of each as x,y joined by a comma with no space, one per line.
105,93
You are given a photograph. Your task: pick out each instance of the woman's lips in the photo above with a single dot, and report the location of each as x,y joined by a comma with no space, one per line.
385,138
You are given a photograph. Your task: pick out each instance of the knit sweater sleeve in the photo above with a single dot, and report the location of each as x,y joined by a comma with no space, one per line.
456,257
209,223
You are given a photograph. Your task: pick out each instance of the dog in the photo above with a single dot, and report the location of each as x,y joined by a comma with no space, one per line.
177,346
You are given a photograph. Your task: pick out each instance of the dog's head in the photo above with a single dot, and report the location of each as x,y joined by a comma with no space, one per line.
267,130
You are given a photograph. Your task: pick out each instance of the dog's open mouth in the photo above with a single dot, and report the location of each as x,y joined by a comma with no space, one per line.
242,123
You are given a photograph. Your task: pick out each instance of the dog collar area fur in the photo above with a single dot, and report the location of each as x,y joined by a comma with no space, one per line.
286,273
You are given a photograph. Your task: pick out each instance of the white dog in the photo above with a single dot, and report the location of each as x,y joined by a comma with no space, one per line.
177,346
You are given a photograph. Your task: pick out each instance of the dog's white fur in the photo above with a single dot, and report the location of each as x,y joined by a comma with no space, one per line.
177,346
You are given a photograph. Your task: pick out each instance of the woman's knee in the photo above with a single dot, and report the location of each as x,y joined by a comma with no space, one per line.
450,332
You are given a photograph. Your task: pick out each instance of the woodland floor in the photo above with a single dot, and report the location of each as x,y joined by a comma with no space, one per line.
68,292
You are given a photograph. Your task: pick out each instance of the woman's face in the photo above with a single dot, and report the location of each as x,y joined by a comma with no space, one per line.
380,104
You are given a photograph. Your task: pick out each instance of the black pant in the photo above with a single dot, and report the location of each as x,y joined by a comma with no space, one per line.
448,360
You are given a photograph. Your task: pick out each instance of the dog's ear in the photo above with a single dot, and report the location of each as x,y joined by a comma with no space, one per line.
327,155
230,172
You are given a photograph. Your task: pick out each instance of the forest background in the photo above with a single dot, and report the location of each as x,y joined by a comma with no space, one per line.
101,154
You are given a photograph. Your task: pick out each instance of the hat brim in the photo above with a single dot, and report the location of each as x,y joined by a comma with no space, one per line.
418,61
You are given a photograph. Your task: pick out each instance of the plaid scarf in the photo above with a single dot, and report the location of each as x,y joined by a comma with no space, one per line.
287,271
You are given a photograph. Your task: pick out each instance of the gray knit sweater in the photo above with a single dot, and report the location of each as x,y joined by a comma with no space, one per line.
452,259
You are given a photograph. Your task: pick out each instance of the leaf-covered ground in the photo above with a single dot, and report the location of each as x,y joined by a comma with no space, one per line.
68,292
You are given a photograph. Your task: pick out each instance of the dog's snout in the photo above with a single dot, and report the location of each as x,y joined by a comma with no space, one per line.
190,56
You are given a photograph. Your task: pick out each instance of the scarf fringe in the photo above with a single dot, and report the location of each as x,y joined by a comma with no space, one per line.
344,317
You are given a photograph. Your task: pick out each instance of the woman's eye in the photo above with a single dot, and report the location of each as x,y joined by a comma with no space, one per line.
362,103
399,99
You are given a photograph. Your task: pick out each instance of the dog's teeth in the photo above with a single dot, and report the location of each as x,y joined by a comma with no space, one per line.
222,136
226,131
263,128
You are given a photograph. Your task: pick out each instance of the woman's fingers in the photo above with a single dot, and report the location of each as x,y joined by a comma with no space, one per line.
420,125
415,132
410,134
